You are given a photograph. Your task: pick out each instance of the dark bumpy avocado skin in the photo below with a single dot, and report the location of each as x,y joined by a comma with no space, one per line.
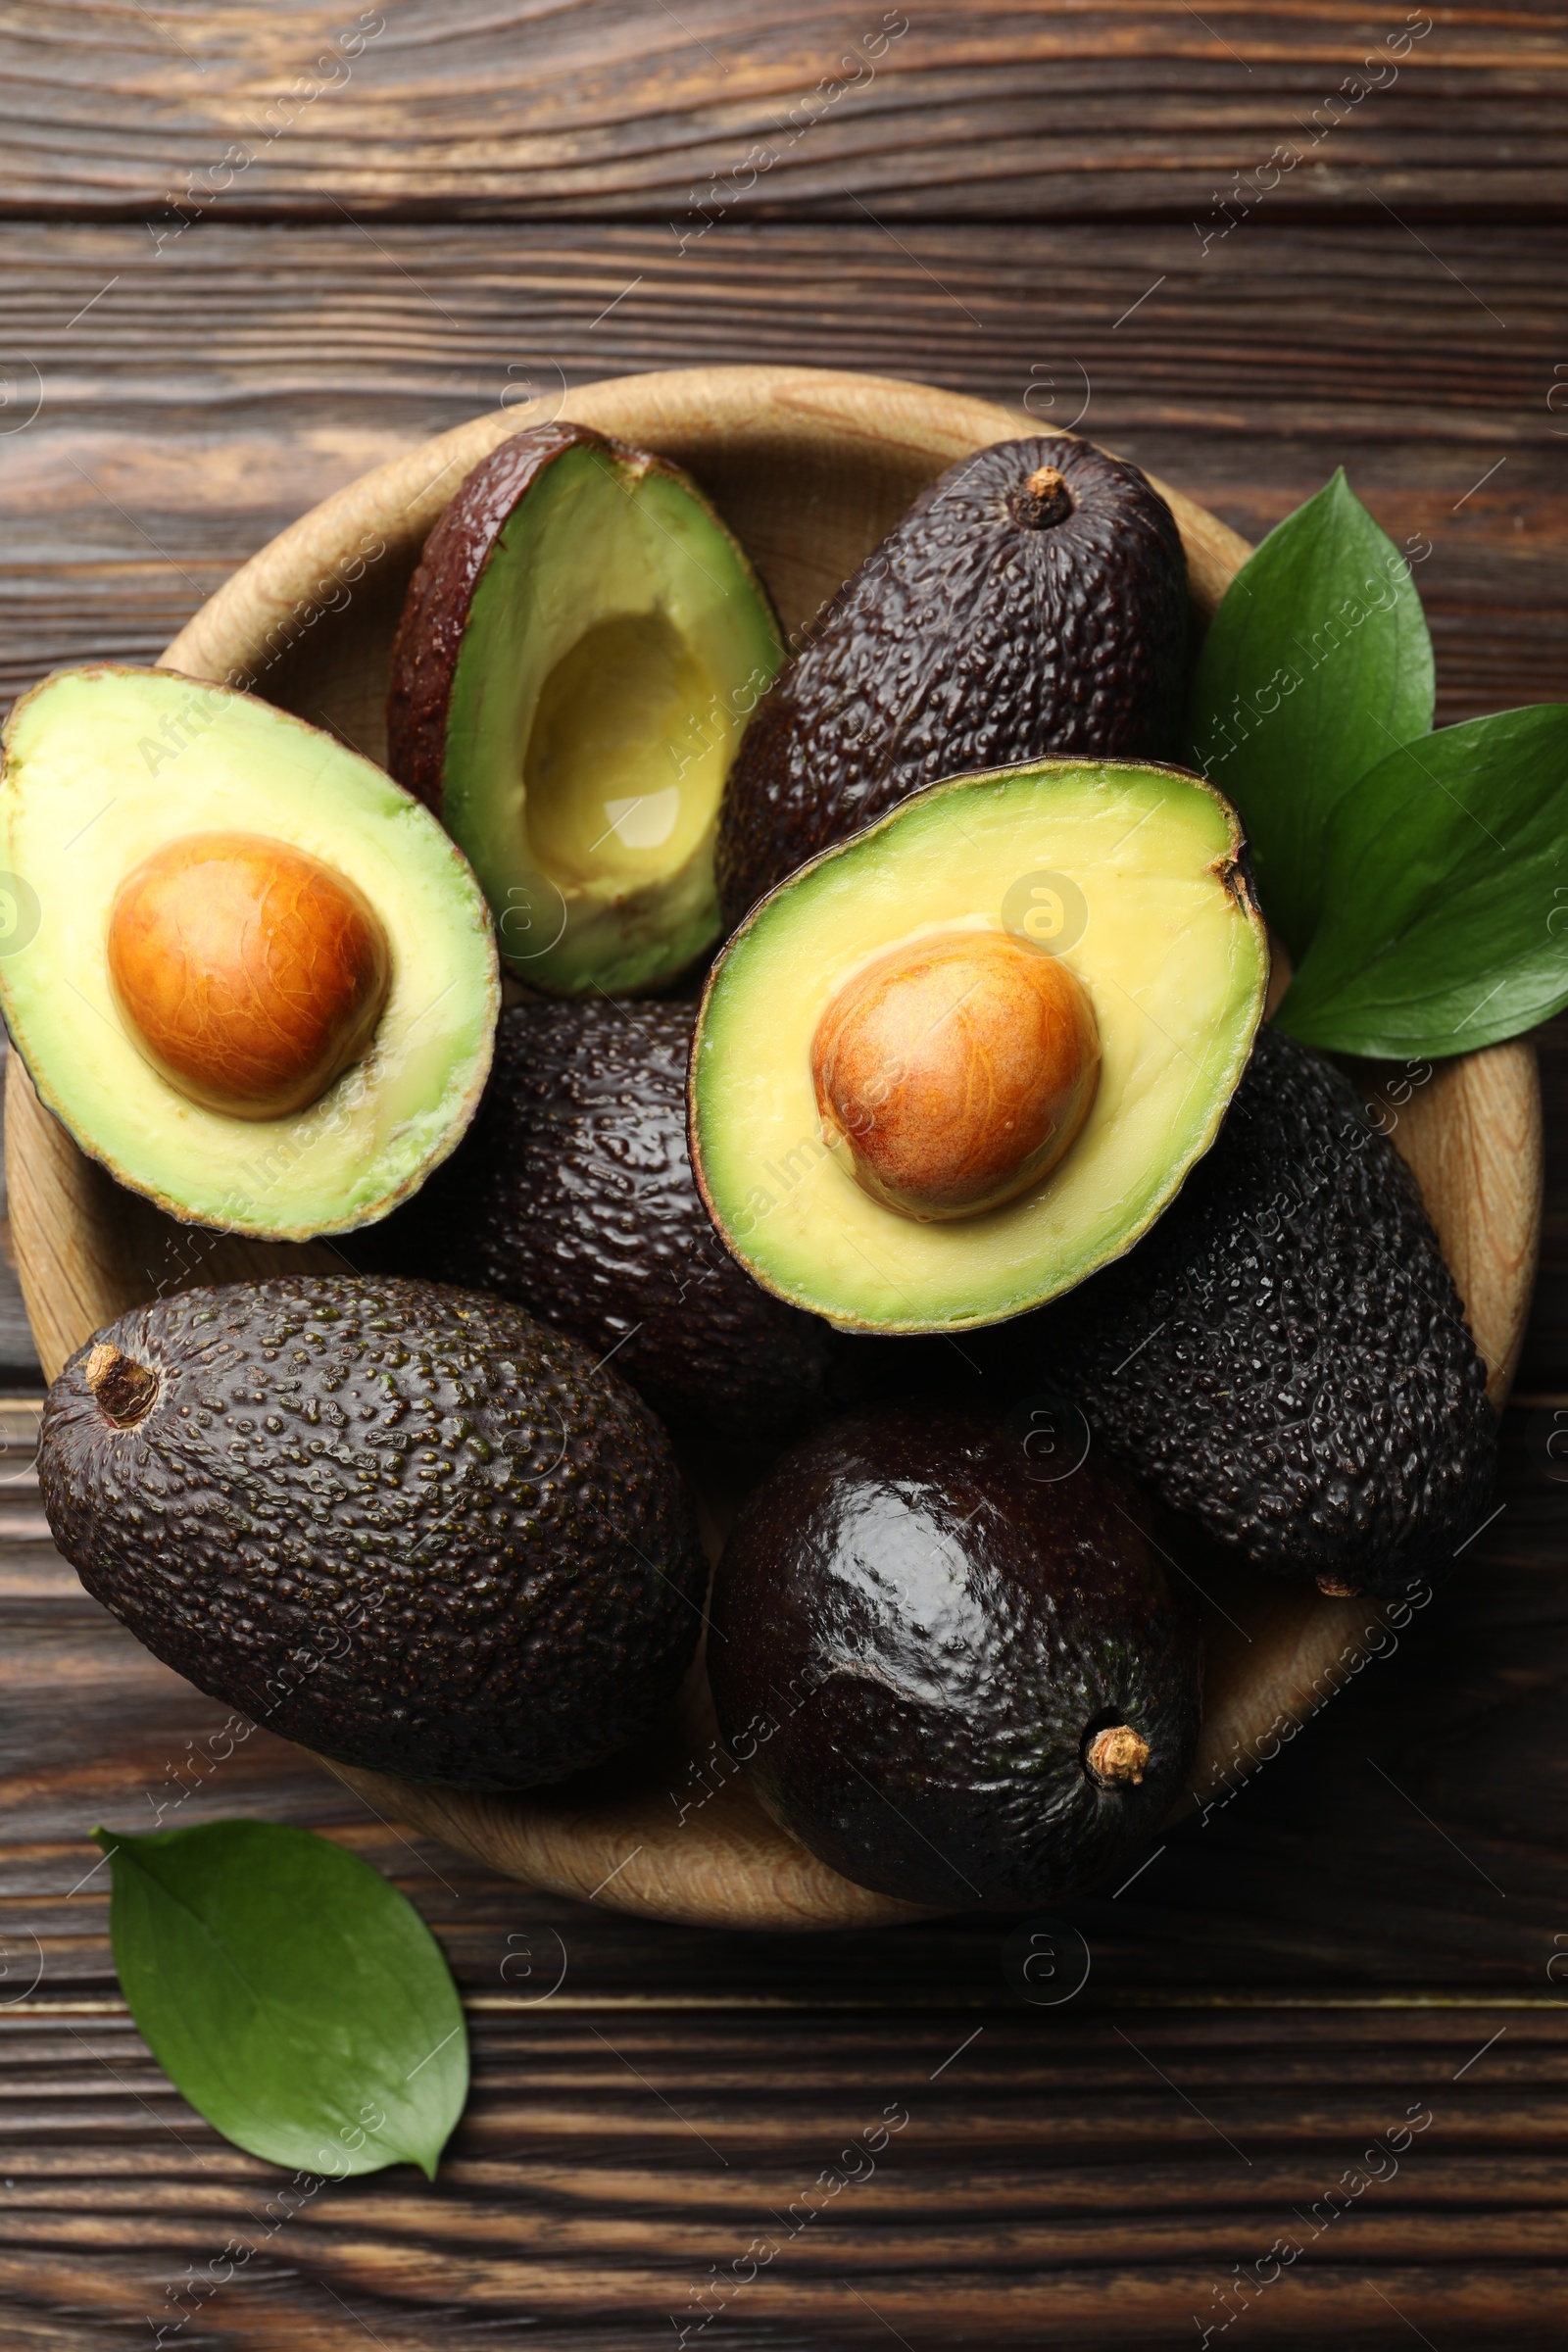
980,632
573,1195
914,1641
1283,1357
408,1526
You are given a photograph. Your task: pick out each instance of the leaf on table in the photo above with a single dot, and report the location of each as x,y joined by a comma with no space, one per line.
1445,921
1316,666
293,1995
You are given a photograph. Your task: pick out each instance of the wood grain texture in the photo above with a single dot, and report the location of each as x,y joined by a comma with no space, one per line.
1089,2176
809,469
19,1355
159,457
507,110
1094,2176
219,384
1471,1134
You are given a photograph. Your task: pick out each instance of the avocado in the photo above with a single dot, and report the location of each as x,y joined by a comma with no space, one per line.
262,984
1033,601
572,1194
580,651
953,1680
1285,1360
406,1524
957,1063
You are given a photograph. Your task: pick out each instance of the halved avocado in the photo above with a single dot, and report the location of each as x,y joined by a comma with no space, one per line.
262,983
881,1053
580,650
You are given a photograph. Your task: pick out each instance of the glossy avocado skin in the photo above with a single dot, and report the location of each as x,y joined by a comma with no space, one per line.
574,1196
912,1641
973,637
407,1526
1284,1358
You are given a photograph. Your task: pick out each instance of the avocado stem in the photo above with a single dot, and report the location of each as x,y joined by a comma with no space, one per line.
1336,1588
1046,498
1117,1753
123,1389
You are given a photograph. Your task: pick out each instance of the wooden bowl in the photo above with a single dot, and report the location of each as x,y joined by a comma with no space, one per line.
811,469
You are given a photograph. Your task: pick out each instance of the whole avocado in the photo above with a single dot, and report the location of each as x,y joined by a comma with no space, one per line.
1284,1358
1032,601
408,1526
574,1196
956,1680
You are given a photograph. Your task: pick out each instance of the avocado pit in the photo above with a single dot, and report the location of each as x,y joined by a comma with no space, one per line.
250,973
957,1069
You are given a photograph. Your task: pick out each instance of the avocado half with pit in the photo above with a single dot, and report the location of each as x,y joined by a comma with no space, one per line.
248,973
579,652
960,1060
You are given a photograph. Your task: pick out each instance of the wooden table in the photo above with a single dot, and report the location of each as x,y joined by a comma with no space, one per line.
248,250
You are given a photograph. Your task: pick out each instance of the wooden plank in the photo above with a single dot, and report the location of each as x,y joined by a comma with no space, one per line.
599,107
19,1358
1081,2177
159,457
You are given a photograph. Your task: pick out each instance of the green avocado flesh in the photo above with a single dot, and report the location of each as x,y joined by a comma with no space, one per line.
617,642
104,766
1135,868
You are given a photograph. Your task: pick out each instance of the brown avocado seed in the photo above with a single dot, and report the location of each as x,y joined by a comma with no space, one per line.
1116,1754
123,1390
246,970
959,1069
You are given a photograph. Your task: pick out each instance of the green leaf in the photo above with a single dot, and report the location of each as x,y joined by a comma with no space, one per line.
1445,921
297,1999
1316,666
